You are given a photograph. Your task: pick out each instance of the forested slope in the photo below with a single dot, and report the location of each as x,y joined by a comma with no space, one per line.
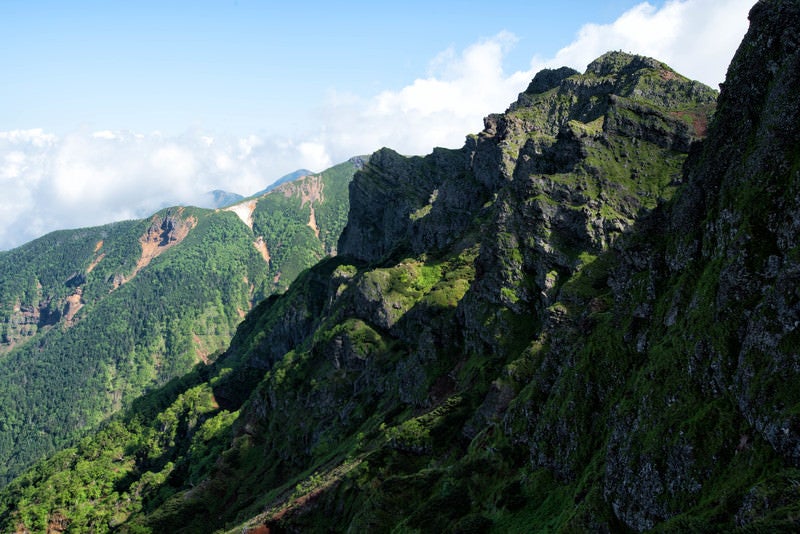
92,318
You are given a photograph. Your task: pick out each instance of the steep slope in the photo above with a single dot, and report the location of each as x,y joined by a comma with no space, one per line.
575,361
300,221
92,318
718,314
431,343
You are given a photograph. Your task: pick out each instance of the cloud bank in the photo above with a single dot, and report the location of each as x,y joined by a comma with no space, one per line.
89,178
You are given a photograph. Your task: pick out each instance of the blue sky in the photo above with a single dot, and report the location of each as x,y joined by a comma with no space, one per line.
113,109
243,66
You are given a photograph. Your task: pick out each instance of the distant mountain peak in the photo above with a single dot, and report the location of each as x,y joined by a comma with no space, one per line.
359,161
221,199
618,62
292,176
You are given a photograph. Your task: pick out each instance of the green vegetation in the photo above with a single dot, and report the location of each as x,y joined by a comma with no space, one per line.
98,484
93,318
124,338
296,240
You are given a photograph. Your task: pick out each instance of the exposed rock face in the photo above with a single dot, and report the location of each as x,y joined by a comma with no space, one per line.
164,232
703,294
167,230
244,210
570,169
26,320
406,203
736,226
556,125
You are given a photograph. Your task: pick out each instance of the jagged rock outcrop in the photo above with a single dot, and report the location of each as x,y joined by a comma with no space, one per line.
405,204
702,295
733,230
466,252
449,266
419,204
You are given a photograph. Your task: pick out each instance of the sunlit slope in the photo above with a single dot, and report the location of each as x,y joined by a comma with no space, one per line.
92,318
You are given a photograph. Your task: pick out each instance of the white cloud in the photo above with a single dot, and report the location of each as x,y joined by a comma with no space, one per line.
89,178
314,155
105,134
14,165
36,137
695,37
438,110
174,162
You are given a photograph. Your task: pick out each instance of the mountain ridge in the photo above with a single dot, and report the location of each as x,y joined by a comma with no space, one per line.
413,285
219,199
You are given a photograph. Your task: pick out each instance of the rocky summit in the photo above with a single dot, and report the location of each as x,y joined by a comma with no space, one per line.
583,320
